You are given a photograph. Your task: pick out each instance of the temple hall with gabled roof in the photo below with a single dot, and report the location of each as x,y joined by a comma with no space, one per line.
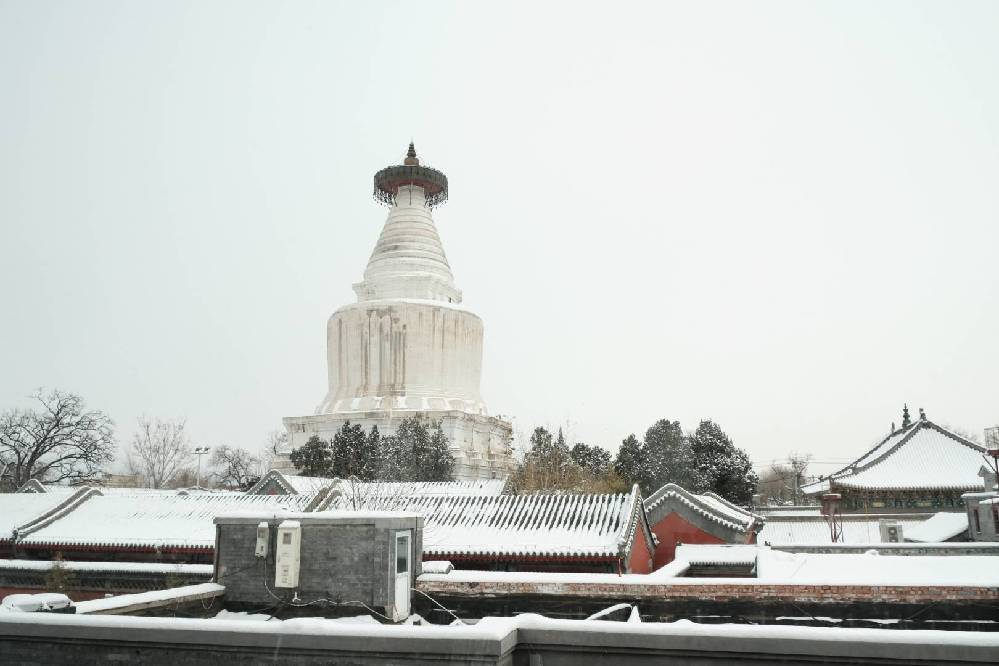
919,467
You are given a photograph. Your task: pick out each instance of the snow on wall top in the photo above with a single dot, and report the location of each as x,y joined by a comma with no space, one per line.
711,506
940,527
857,529
153,520
570,525
924,457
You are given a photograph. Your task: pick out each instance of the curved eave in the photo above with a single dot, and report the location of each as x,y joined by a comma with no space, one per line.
860,486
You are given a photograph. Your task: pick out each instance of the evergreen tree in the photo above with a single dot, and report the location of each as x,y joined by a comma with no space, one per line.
594,459
439,465
374,459
394,459
349,456
719,466
59,578
313,458
667,455
630,463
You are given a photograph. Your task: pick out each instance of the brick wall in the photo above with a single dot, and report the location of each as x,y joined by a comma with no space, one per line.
341,562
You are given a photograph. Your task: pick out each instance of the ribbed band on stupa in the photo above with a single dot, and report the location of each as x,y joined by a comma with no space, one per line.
408,260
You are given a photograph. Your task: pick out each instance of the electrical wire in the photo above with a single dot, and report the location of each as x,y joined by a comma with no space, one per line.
442,606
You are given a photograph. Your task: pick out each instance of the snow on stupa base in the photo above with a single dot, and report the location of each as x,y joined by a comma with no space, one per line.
479,443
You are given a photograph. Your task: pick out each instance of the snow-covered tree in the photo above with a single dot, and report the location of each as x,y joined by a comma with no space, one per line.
313,458
594,459
416,453
374,459
439,464
719,466
630,463
349,455
667,456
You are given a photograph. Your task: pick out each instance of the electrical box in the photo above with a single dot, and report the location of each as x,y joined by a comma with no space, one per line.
263,533
891,531
287,554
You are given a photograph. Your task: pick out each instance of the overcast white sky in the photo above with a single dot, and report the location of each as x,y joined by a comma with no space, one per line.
781,216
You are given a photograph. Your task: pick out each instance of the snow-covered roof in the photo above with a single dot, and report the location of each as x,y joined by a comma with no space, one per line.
874,569
923,456
152,520
857,529
293,483
939,527
21,510
713,507
569,525
717,553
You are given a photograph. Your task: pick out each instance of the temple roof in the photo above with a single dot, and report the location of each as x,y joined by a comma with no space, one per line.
538,525
152,520
923,456
713,507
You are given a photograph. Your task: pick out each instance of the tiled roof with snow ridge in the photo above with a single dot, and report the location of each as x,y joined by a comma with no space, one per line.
293,483
857,529
537,525
923,456
152,520
713,507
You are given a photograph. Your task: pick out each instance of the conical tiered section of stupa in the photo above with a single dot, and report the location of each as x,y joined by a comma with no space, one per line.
406,347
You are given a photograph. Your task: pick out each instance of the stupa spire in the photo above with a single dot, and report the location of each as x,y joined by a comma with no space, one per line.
408,260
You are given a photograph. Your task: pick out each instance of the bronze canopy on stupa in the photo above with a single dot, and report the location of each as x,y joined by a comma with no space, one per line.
410,172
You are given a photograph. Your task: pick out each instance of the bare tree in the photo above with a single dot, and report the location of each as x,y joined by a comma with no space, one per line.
782,482
235,467
277,441
160,451
60,441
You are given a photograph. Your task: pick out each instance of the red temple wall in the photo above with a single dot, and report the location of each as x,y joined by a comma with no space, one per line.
673,528
640,562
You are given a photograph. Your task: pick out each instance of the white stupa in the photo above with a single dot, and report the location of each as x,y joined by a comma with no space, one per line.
406,346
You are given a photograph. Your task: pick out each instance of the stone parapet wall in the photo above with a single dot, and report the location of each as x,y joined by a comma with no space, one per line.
501,641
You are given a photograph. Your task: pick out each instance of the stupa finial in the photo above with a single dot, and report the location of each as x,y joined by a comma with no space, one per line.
411,158
906,421
412,173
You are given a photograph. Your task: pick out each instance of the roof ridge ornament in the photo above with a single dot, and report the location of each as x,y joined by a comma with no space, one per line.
906,421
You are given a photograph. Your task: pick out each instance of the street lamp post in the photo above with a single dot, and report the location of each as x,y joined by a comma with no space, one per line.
200,451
